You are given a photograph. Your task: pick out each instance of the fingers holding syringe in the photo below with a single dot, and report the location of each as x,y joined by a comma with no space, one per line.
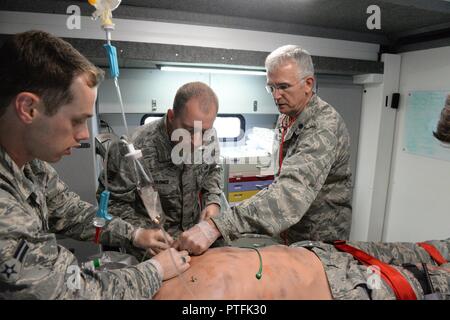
153,240
161,241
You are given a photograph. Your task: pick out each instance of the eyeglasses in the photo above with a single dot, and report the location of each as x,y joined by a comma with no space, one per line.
281,87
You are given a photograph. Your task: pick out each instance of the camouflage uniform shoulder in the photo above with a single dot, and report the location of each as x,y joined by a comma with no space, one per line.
41,168
150,134
12,178
328,116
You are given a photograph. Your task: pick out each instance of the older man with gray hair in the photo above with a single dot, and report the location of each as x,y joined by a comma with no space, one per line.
310,197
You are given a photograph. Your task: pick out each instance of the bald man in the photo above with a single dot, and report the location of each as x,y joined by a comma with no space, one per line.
189,188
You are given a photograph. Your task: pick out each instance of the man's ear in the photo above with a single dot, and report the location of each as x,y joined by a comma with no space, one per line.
26,106
309,84
170,115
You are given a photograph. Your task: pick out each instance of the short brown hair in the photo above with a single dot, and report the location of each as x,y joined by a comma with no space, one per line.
38,62
199,90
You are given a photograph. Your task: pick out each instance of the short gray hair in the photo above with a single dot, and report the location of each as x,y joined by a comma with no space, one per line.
291,52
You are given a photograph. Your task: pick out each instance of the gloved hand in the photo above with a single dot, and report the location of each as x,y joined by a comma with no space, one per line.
211,210
199,238
152,240
170,262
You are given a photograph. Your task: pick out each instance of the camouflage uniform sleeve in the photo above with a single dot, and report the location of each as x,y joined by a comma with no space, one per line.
397,253
212,186
71,216
212,182
286,200
34,266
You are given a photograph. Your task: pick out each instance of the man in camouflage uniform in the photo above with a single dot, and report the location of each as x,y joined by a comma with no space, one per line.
310,197
47,94
349,279
183,186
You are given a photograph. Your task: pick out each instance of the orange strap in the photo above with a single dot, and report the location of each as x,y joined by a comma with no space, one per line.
398,283
433,252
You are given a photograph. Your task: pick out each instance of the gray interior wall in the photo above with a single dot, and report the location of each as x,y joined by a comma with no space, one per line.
80,170
115,120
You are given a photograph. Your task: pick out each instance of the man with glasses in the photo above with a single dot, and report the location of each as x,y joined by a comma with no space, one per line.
310,197
180,152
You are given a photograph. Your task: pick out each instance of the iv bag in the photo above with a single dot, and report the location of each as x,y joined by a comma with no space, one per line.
152,203
145,186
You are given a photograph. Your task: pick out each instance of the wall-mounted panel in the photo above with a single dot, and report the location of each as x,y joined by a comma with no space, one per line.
144,91
242,94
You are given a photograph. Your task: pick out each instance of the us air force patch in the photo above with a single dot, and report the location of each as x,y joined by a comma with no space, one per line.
10,270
